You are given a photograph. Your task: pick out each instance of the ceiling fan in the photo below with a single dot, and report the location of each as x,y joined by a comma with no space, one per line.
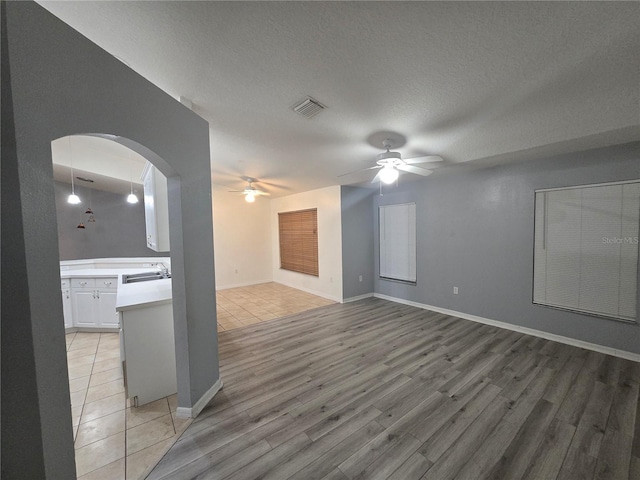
391,163
250,192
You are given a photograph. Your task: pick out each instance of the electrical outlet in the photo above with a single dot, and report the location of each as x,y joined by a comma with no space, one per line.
455,290
360,278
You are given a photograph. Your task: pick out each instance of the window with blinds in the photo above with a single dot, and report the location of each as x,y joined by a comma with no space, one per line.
398,242
299,241
586,249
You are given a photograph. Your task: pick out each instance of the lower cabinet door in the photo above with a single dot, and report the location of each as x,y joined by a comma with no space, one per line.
66,308
83,306
108,317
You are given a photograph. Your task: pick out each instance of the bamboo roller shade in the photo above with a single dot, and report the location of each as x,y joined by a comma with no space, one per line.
299,241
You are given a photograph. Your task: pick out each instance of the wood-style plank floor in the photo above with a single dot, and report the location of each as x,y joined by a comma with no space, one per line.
379,390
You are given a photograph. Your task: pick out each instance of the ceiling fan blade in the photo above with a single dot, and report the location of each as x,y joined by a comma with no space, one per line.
235,191
260,192
361,170
427,159
416,170
377,177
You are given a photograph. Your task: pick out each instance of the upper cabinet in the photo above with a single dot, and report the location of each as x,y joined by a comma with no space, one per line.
156,208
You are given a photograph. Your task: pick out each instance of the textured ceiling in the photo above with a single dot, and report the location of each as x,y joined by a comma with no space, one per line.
470,81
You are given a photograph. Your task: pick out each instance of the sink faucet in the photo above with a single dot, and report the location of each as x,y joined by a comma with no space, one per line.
163,268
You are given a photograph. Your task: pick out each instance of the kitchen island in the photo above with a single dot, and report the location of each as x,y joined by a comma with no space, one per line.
147,347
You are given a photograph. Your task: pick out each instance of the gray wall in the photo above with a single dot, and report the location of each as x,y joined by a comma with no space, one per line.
357,241
62,84
119,230
475,231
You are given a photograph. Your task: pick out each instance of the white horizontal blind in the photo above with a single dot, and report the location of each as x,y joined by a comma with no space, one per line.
398,242
586,249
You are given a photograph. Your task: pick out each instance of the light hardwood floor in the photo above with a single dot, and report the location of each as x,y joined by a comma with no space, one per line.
377,390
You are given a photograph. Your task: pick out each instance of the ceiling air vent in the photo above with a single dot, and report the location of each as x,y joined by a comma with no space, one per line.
309,107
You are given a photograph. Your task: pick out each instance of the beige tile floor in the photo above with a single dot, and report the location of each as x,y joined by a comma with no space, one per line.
114,441
242,306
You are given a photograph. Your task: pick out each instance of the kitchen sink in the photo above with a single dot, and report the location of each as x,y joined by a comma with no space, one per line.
144,277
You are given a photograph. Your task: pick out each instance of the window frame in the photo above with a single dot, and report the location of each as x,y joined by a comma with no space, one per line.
301,255
543,231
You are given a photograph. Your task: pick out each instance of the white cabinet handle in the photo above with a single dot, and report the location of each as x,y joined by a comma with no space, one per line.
82,283
107,283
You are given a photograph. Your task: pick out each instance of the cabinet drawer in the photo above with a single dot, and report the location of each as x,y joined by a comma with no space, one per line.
83,283
107,283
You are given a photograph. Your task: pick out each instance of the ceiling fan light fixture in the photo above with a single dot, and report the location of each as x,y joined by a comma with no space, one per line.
389,174
250,197
389,156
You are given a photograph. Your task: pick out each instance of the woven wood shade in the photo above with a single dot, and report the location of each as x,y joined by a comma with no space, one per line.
299,241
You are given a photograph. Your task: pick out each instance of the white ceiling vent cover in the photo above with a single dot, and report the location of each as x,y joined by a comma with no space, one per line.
309,107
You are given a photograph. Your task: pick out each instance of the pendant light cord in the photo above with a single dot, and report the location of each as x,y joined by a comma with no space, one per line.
73,192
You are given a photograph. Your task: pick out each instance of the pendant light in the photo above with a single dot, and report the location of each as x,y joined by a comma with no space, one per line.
73,198
131,198
81,224
89,210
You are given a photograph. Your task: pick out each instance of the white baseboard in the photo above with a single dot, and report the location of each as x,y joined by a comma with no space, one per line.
359,297
517,328
193,412
312,292
243,284
92,330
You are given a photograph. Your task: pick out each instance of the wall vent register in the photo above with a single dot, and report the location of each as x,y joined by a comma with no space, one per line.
309,107
586,249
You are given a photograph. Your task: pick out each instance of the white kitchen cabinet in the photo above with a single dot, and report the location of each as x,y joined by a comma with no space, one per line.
94,302
83,298
156,208
148,351
65,286
107,315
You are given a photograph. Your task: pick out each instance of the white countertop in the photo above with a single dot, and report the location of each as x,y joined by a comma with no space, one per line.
142,294
128,296
102,272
